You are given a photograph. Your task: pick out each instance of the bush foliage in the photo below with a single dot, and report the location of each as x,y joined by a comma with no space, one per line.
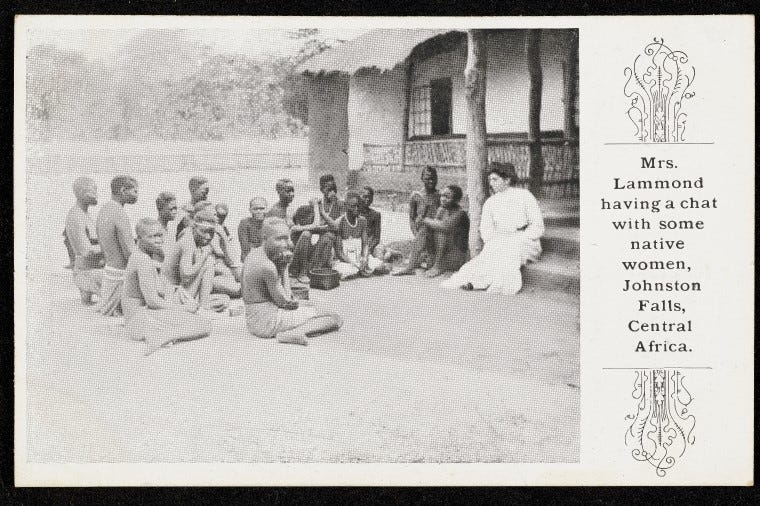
164,84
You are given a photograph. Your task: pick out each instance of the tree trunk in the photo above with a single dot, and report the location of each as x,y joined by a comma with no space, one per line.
533,53
477,150
570,85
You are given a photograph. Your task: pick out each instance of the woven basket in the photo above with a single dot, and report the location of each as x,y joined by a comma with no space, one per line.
324,279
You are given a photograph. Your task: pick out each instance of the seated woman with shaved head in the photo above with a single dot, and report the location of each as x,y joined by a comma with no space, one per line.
352,248
249,229
83,238
229,267
422,205
450,229
116,241
191,263
270,310
153,310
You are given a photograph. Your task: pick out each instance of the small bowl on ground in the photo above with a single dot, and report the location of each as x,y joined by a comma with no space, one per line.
324,279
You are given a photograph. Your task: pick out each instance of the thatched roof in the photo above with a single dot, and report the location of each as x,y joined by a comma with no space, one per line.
382,49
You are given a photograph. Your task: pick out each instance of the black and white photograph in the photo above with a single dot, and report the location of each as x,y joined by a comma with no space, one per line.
306,245
294,251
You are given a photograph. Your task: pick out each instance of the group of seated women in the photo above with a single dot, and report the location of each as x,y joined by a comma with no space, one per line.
162,287
511,226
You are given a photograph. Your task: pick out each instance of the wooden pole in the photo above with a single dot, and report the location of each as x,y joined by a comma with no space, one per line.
409,74
477,150
533,53
570,84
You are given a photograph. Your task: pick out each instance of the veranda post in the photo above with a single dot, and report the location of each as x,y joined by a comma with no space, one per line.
477,149
533,54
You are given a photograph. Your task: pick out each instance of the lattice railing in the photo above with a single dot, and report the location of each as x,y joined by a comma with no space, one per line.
382,156
449,156
438,153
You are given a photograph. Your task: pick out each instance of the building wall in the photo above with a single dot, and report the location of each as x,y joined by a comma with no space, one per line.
507,81
328,128
376,102
368,108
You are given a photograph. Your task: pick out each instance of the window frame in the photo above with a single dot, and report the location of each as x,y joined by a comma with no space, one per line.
415,121
419,112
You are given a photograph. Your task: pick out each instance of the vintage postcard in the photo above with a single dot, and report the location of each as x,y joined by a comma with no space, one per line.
418,251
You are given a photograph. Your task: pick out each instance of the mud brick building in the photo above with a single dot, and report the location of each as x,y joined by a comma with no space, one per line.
384,105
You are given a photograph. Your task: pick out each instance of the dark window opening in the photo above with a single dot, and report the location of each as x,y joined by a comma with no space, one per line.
440,106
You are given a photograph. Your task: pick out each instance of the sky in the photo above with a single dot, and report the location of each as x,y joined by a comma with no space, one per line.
96,43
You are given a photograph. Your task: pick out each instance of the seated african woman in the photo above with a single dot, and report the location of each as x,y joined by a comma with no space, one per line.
511,226
116,241
385,254
191,263
450,229
155,312
422,205
228,267
352,250
83,239
314,226
249,229
270,310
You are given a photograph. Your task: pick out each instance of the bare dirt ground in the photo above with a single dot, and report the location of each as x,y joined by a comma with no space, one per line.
417,374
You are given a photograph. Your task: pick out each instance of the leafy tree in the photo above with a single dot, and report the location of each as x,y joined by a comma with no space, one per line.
56,82
144,70
166,84
294,85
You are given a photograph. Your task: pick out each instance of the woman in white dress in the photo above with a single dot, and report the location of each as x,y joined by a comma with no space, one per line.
511,226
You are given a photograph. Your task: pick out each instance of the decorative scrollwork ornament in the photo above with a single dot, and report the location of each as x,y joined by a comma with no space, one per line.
657,85
661,428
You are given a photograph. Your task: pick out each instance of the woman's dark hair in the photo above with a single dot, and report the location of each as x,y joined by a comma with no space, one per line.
504,170
326,179
431,171
456,192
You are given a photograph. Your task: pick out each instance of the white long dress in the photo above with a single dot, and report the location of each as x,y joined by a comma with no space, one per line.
511,226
